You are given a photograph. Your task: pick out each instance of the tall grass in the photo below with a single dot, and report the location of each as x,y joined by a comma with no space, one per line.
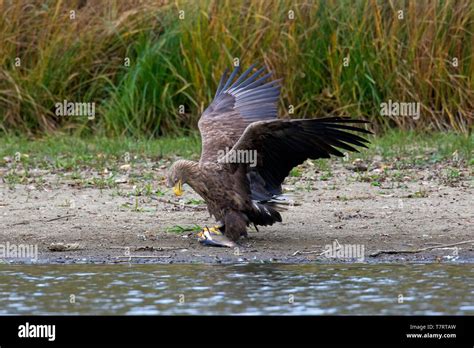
175,63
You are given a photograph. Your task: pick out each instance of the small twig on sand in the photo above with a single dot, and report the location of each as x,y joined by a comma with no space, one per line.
298,252
167,201
20,223
146,256
53,219
419,250
60,217
151,248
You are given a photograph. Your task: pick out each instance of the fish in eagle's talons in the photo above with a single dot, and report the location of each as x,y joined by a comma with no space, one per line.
242,118
214,237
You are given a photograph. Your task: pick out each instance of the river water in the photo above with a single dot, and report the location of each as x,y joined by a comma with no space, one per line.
276,289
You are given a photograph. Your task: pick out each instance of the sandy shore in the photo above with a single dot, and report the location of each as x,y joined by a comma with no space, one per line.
345,209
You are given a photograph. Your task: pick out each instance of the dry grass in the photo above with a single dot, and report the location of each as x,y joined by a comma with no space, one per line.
177,62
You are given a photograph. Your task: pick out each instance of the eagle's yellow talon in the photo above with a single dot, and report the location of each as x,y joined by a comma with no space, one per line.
215,230
212,230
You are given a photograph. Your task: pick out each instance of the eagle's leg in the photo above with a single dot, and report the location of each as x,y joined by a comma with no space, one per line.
235,225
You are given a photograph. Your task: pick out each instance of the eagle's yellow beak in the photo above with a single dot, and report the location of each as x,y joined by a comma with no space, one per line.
178,188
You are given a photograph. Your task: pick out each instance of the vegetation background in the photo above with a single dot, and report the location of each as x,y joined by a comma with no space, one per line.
406,51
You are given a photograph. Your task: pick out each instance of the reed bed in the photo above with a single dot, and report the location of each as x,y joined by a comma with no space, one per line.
151,67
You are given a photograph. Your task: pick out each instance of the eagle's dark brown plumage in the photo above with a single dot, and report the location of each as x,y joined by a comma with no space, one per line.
243,117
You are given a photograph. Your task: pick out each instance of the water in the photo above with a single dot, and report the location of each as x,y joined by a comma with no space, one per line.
237,289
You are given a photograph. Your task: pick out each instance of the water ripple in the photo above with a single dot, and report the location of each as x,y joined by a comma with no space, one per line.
244,289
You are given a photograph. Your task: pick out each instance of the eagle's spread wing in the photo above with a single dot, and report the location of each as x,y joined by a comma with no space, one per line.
283,144
235,106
